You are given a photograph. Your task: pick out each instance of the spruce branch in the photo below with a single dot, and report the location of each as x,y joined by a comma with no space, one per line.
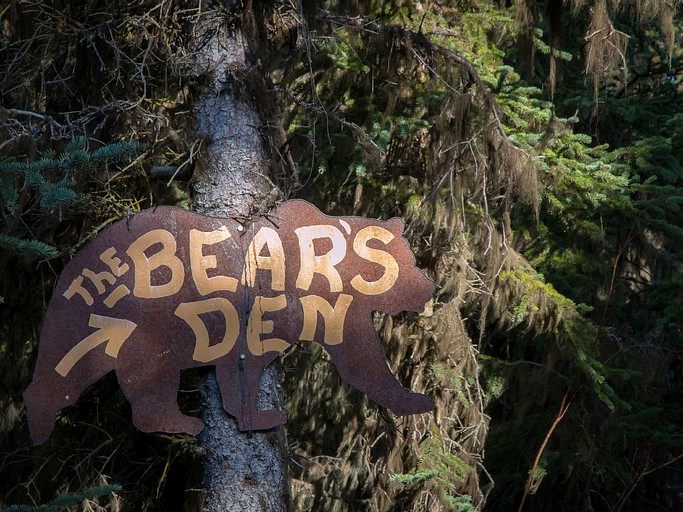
66,500
21,245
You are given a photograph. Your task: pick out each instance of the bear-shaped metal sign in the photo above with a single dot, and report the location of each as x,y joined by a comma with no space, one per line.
169,289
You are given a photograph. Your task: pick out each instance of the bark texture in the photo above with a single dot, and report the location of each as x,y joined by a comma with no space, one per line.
242,471
231,180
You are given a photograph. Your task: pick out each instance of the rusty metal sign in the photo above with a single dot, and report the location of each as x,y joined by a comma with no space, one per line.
169,289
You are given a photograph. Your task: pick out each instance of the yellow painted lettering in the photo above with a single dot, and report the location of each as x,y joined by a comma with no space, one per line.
200,263
333,317
99,279
144,265
203,351
76,287
275,261
323,263
113,331
114,263
119,292
258,326
383,258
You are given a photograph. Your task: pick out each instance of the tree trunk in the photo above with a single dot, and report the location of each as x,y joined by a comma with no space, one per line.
242,471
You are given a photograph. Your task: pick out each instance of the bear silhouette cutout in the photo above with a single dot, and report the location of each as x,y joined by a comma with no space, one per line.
169,289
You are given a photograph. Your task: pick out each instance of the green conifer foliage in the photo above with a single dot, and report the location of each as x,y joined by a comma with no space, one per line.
47,185
66,500
607,236
533,228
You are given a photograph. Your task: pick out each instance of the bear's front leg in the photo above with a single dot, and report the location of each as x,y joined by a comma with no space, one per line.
155,402
361,363
239,386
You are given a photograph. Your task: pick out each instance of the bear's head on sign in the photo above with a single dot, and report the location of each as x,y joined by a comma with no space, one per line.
170,289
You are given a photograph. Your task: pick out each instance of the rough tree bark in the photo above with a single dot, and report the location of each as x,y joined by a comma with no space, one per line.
242,471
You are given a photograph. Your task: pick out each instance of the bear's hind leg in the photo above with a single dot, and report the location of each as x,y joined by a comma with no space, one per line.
239,400
155,403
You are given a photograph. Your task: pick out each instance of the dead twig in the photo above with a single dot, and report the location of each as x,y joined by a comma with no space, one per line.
564,407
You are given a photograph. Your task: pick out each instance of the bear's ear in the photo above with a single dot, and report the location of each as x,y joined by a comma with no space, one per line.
396,225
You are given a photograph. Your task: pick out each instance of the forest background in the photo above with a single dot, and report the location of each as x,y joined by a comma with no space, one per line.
535,150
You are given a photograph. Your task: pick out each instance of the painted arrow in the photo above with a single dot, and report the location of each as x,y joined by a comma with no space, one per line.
113,331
